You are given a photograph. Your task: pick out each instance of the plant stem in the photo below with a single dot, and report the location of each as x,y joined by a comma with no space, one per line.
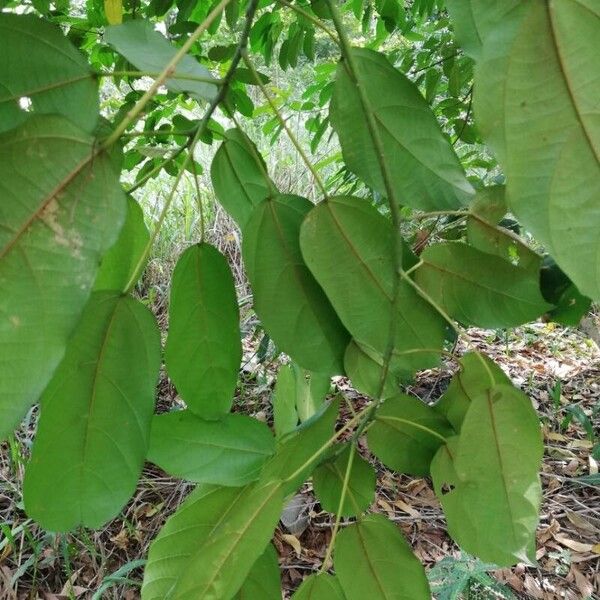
325,565
283,123
199,197
167,72
235,61
311,18
156,169
155,74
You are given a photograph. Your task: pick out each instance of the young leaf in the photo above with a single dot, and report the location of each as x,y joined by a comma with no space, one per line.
209,546
119,263
406,434
480,289
487,478
62,208
204,350
285,416
348,245
239,176
295,453
39,63
95,419
424,170
264,579
292,307
311,390
150,51
477,373
328,482
228,452
372,560
320,586
537,104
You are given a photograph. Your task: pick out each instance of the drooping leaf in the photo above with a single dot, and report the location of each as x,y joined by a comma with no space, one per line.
292,307
264,579
93,432
328,481
349,247
62,208
40,64
487,479
311,390
537,104
480,289
239,176
209,546
372,560
406,434
476,374
570,304
320,586
228,452
285,415
203,350
119,263
295,452
150,51
423,168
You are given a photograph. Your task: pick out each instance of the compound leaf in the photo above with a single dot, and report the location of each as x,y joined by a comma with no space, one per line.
95,419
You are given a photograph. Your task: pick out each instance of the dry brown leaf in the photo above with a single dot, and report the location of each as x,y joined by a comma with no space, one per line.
580,522
293,541
121,540
533,588
583,585
577,546
407,508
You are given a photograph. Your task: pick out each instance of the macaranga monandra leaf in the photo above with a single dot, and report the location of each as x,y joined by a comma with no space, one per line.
209,546
373,560
203,350
406,434
479,289
319,586
229,452
487,478
93,431
62,207
263,580
425,172
291,305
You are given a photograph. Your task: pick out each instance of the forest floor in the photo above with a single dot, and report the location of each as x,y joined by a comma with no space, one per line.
558,368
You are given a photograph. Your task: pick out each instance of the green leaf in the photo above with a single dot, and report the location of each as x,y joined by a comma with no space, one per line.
228,452
476,374
364,367
487,478
39,63
537,104
203,350
95,419
62,208
424,170
372,560
311,390
406,434
480,289
264,579
119,263
285,416
295,453
349,245
292,307
150,51
320,586
209,546
328,481
239,176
